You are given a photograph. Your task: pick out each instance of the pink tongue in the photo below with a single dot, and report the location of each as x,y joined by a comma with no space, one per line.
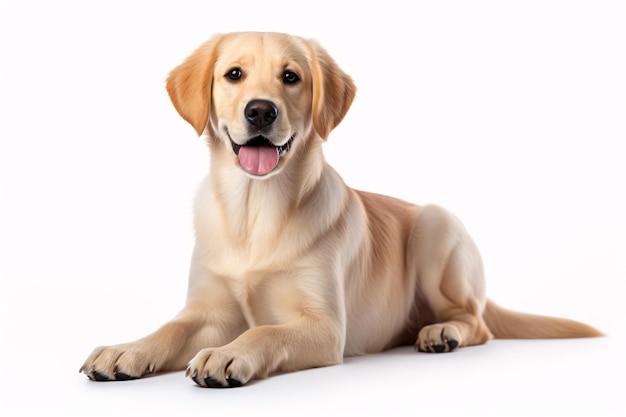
258,160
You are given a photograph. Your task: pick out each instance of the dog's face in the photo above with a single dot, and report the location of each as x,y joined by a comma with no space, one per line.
261,96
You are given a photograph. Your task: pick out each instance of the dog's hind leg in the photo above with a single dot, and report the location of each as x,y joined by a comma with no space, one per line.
450,280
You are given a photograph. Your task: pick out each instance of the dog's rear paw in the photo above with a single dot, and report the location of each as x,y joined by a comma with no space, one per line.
438,338
117,363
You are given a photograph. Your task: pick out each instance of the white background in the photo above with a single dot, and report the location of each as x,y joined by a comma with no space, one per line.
510,114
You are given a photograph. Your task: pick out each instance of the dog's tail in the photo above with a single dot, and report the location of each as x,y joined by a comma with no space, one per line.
507,324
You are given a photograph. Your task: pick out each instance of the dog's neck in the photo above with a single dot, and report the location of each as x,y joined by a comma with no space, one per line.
255,211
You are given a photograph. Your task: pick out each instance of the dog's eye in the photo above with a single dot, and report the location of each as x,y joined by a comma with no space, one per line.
290,77
234,74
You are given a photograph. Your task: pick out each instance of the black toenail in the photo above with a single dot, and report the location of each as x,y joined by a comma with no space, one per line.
439,348
233,383
120,376
213,383
97,376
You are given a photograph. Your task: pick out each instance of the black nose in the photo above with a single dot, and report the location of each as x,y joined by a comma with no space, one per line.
261,113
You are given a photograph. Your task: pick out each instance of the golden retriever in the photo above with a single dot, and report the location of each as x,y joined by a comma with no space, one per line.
292,269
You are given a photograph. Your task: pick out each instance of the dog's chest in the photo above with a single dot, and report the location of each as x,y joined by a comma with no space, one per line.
264,298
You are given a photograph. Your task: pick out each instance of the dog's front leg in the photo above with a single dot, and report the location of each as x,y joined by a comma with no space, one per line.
304,343
159,351
211,320
298,322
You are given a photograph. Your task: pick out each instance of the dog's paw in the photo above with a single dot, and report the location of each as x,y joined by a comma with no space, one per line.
438,338
220,368
118,363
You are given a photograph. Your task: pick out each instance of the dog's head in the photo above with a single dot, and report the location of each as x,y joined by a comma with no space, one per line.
260,95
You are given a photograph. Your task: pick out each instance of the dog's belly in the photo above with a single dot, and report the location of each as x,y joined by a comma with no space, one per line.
378,307
386,321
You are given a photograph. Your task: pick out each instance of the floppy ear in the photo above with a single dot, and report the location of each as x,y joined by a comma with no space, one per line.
189,84
333,91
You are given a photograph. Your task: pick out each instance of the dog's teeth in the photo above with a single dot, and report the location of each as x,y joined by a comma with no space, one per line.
285,148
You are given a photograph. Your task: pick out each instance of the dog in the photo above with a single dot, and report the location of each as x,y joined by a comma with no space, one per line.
292,269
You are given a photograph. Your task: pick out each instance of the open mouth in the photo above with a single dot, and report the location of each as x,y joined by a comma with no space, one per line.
259,156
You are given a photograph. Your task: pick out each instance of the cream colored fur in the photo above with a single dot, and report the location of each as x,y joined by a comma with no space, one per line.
294,269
